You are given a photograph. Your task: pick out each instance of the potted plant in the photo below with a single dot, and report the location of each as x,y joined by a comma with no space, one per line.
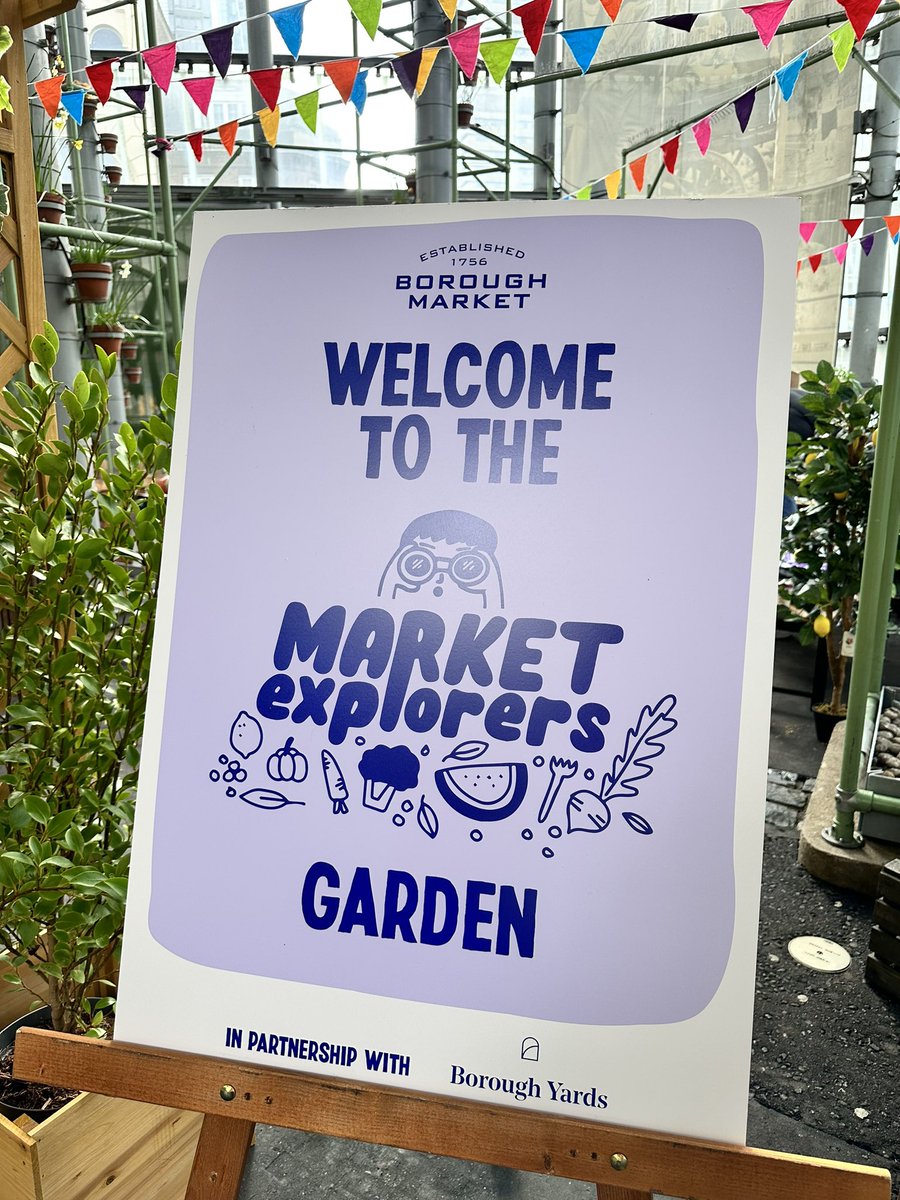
830,475
113,172
112,324
92,271
108,142
49,149
465,105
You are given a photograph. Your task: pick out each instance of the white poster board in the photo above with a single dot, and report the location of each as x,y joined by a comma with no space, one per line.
454,767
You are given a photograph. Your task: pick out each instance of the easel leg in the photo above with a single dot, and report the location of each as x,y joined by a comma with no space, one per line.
610,1192
219,1161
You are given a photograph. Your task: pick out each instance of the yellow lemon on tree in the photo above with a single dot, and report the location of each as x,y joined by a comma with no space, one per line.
821,626
811,457
875,436
841,495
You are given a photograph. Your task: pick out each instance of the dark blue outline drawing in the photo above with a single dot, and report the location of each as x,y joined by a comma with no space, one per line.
335,784
242,725
395,768
415,563
561,769
469,806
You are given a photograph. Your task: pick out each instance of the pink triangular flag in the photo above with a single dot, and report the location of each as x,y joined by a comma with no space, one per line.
840,252
701,132
533,17
268,83
670,153
852,224
195,141
807,229
859,13
464,48
767,18
200,91
160,62
815,261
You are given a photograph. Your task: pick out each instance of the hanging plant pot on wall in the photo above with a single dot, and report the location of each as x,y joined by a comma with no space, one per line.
93,281
133,375
91,100
113,174
51,206
129,349
107,337
109,142
464,114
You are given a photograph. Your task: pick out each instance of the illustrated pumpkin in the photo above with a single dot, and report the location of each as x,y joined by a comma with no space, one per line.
287,764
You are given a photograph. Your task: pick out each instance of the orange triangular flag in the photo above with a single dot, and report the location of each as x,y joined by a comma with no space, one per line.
613,181
227,134
342,73
612,8
637,167
428,57
49,92
270,118
893,224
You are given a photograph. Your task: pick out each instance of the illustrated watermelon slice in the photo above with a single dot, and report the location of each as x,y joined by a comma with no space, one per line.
484,791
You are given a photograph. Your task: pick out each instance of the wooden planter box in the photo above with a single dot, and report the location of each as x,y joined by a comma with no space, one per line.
97,1146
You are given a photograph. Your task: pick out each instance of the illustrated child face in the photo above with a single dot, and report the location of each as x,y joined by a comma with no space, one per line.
437,568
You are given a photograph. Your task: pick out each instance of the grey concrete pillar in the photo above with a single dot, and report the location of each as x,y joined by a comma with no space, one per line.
89,157
435,114
546,107
259,47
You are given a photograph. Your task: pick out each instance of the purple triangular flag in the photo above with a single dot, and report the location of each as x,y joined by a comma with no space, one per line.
867,242
218,47
743,107
406,68
683,21
136,93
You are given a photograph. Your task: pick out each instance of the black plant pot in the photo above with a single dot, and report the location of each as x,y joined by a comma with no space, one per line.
39,1019
825,723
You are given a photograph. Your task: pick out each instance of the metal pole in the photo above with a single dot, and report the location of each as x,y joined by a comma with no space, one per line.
545,106
87,162
259,47
435,115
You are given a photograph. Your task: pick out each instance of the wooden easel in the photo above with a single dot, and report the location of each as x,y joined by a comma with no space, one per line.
625,1164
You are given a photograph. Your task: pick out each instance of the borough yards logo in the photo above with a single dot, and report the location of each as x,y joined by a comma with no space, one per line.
466,275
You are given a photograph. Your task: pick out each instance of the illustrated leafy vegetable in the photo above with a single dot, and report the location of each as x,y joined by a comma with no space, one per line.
395,769
466,751
267,798
642,744
427,819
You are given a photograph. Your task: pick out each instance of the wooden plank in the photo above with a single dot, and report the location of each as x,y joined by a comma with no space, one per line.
525,1141
7,254
6,139
219,1162
617,1193
10,231
10,360
13,328
18,1164
34,11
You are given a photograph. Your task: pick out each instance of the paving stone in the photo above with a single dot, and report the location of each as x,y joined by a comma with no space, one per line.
793,797
781,816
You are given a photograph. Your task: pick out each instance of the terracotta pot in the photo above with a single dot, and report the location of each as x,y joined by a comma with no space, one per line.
90,108
108,142
129,349
114,174
107,337
133,374
464,113
51,207
411,185
93,281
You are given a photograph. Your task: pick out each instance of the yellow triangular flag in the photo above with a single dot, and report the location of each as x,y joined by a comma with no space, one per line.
270,119
425,65
449,7
613,180
584,193
843,40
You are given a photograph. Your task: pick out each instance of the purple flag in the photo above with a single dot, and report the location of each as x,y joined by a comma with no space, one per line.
683,21
136,93
218,47
406,68
867,242
743,107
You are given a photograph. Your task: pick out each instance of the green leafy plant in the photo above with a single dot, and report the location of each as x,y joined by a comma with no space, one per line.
830,474
129,291
80,540
89,252
51,151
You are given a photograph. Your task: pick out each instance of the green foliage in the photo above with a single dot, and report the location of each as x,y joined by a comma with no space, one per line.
89,252
80,541
830,474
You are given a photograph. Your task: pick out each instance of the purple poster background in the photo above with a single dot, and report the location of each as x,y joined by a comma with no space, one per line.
648,528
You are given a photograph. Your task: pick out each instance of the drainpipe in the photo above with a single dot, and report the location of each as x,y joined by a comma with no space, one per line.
435,112
545,108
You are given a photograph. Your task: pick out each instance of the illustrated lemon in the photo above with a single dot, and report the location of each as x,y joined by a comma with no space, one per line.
822,626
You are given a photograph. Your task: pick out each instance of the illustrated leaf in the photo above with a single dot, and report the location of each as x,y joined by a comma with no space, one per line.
642,744
466,751
426,819
266,798
638,823
586,812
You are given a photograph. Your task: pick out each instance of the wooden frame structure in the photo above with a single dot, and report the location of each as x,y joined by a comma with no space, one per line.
624,1164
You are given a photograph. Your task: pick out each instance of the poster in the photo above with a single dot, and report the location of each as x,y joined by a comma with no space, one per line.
454,768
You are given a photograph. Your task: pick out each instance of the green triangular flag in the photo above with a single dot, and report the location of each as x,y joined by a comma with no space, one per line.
308,108
843,40
498,55
368,13
584,193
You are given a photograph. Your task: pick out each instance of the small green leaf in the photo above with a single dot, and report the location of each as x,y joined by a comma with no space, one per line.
168,391
37,808
44,351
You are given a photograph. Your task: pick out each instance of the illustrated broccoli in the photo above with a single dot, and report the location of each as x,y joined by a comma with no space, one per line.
386,770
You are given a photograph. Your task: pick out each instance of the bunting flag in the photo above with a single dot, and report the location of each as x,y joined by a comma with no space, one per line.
270,119
464,46
702,131
428,59
682,21
360,92
584,193
227,135
73,103
807,229
612,8
289,23
497,56
218,47
342,73
613,182
49,92
767,18
842,40
308,108
867,242
786,77
743,107
852,224
670,153
583,44
368,13
815,261
163,146
160,63
449,7
200,91
859,13
268,83
100,78
893,224
840,252
533,17
136,93
195,141
406,68
637,167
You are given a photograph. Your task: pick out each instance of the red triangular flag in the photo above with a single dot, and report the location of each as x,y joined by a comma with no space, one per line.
49,92
670,153
815,261
200,91
859,13
767,18
160,62
227,134
342,73
533,17
807,229
637,167
268,83
464,47
893,224
101,78
195,141
612,8
852,225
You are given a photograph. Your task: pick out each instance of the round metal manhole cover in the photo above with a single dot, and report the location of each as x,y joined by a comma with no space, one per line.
819,954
